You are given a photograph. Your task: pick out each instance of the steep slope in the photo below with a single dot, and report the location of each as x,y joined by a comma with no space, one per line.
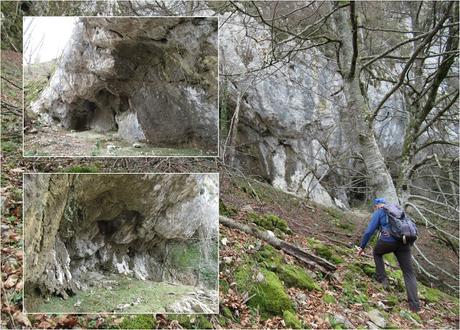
264,286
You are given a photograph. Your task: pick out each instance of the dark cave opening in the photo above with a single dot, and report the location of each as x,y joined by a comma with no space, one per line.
82,115
122,229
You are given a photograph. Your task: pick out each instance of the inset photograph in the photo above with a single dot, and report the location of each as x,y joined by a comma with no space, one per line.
121,243
120,86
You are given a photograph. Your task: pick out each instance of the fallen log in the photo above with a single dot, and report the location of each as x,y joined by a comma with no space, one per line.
306,257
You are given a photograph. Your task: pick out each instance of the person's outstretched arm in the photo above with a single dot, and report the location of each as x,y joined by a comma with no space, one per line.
371,228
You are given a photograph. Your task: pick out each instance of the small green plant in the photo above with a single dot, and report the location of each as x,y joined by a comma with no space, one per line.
8,146
97,149
83,169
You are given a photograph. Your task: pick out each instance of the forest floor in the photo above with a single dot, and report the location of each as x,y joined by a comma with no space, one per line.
260,287
124,295
55,141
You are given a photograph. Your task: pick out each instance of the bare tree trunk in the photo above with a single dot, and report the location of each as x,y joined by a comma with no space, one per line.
356,118
234,131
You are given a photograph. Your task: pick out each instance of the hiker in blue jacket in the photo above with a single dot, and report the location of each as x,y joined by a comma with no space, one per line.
387,244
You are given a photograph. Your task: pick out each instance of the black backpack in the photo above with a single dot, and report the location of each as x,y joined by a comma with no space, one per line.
401,226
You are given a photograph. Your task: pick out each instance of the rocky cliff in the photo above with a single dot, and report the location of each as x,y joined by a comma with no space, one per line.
289,125
155,227
149,79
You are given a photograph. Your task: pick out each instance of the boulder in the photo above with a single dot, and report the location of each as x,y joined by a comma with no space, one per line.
377,318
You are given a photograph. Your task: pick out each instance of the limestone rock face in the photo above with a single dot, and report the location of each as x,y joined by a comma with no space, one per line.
150,79
156,227
290,114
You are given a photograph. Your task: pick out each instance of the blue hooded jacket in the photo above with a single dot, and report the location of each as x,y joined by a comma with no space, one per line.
379,220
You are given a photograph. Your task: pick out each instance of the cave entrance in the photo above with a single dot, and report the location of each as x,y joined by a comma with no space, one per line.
82,115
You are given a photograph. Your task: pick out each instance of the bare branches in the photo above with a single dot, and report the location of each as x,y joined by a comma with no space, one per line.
426,40
438,115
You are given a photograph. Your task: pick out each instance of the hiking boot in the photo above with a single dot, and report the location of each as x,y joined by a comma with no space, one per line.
386,285
414,309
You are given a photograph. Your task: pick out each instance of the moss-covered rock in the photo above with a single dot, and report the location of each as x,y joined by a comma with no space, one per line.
138,322
270,222
291,320
362,268
269,257
269,295
292,275
295,276
324,251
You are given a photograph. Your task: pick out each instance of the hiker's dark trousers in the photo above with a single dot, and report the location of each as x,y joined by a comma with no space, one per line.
403,254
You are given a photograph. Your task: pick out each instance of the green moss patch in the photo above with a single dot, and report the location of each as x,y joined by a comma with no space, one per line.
413,317
354,288
339,219
362,268
270,222
324,251
83,169
269,257
188,258
9,146
398,279
291,320
291,275
138,322
269,296
295,276
329,299
433,295
391,259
